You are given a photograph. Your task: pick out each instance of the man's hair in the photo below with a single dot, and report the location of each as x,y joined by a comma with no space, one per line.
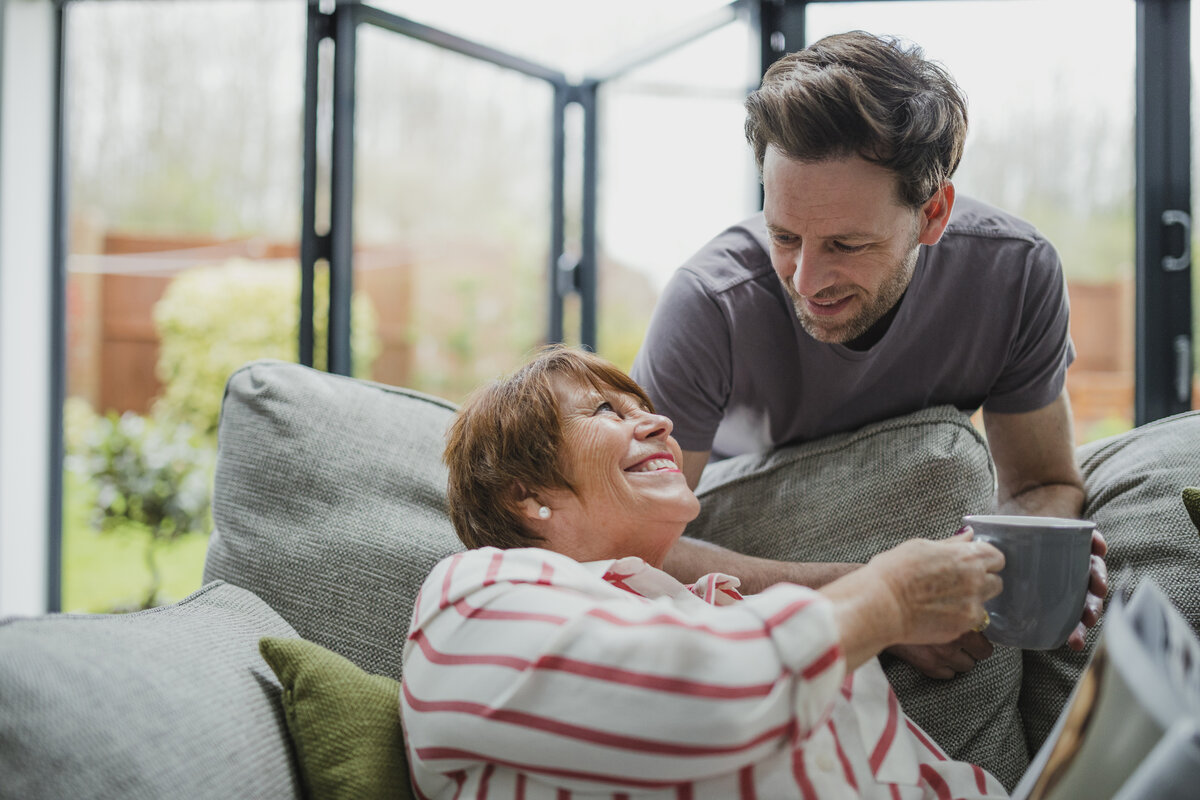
859,94
506,441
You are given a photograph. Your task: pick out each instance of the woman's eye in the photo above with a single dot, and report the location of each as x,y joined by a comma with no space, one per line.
605,406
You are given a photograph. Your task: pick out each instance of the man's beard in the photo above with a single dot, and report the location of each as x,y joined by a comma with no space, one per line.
874,309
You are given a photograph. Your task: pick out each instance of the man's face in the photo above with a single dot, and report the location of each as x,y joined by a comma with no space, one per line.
841,242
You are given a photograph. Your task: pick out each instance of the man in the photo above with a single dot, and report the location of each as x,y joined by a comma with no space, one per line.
866,290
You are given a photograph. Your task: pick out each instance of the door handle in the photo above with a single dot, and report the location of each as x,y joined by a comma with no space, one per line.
1173,216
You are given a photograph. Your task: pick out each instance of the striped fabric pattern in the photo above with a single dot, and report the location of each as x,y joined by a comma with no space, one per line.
530,675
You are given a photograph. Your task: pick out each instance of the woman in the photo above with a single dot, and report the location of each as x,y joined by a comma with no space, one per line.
554,659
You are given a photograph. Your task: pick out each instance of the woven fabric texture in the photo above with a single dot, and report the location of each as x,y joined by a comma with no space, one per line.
344,722
330,504
1191,501
848,497
170,702
1134,484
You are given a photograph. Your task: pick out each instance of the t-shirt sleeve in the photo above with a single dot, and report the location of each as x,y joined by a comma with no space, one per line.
1041,347
684,363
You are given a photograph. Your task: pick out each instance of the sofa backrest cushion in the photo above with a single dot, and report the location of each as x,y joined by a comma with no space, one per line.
170,702
1134,483
850,496
330,504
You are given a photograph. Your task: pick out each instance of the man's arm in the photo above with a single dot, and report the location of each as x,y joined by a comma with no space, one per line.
1037,475
690,559
1035,460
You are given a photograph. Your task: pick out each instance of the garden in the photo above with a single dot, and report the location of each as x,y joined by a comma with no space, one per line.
137,487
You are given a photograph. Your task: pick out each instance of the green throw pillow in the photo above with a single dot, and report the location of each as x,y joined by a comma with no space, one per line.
344,722
1191,501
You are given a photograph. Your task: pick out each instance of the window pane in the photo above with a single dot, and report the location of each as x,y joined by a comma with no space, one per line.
452,214
1051,139
574,36
675,171
184,143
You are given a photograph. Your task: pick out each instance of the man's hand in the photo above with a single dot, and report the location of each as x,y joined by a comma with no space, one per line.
1093,607
944,661
1037,474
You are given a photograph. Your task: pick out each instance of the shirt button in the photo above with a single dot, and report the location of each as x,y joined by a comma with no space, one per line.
825,762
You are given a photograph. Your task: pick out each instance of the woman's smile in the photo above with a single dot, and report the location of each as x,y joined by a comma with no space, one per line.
658,462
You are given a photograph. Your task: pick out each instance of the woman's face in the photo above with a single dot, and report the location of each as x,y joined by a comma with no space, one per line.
630,497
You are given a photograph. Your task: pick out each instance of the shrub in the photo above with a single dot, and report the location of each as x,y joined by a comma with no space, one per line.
150,475
213,319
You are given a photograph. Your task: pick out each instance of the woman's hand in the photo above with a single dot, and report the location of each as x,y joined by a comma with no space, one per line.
938,588
921,592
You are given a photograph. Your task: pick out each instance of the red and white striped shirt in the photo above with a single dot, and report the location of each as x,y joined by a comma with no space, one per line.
530,675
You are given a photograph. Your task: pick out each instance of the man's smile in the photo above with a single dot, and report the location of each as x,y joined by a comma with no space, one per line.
827,308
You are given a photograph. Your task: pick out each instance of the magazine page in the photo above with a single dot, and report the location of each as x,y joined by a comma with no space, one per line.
1130,728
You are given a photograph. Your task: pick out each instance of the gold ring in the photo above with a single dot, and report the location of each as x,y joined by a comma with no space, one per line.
982,626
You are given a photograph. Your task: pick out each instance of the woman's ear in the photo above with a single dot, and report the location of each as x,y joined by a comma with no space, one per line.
531,508
527,505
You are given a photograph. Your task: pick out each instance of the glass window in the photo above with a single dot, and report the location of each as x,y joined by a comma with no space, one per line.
675,171
452,214
1051,106
673,166
183,153
574,36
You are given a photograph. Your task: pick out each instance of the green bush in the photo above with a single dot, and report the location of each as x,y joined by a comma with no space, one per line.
148,475
213,319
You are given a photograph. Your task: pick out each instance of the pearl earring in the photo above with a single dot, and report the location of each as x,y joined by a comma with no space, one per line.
544,512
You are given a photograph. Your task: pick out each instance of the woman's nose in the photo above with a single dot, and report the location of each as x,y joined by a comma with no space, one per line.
650,425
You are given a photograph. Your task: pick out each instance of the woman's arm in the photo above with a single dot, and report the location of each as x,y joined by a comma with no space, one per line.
920,592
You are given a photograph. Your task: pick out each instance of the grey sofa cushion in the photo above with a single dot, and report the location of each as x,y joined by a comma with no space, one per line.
850,496
171,702
1134,484
330,504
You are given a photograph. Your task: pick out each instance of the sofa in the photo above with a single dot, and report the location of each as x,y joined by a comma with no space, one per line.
278,677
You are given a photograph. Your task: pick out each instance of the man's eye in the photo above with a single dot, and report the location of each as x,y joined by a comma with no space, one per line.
849,248
785,239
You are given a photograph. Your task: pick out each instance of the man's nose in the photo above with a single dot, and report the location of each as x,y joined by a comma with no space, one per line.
814,271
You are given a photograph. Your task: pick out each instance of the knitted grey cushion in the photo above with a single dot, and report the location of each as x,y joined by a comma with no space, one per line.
330,504
850,496
171,702
1134,484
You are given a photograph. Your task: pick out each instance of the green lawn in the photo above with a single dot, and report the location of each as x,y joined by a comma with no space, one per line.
107,571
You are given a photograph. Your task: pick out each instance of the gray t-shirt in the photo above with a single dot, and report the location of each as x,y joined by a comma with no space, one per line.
984,323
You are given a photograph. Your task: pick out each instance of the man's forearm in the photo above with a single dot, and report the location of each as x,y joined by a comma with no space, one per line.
690,559
1050,500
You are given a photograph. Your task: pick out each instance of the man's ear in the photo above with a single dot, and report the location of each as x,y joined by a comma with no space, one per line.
935,214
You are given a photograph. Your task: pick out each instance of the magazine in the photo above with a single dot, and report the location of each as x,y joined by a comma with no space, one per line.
1131,728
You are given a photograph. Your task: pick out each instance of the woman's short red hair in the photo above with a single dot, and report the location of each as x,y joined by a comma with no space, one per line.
506,442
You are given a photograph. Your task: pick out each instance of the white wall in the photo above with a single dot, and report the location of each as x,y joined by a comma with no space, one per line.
27,98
